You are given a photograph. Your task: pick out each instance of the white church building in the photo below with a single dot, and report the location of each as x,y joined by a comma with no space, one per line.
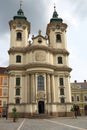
39,74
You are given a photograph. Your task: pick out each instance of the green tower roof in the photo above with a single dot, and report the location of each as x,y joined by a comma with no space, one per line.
20,15
55,17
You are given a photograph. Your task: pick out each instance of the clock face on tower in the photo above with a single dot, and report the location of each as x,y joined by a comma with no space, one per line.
57,27
19,24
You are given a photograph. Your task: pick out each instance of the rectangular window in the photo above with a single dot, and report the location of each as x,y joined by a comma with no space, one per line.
62,100
5,81
61,81
40,82
17,91
4,103
5,92
77,98
17,81
61,91
85,98
17,101
72,98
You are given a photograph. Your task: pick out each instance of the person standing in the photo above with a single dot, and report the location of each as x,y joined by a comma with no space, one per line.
75,110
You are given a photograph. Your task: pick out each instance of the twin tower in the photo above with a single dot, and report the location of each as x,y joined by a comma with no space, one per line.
39,75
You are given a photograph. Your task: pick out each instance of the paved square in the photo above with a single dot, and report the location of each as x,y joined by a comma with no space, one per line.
62,123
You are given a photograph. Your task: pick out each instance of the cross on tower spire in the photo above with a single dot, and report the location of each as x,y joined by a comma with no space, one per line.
54,7
21,3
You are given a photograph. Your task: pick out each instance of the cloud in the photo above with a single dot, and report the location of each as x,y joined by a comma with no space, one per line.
4,47
79,8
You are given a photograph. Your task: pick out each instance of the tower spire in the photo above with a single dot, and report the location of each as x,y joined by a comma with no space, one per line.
55,16
54,7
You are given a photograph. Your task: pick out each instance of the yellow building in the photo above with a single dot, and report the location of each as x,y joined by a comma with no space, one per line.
3,90
79,96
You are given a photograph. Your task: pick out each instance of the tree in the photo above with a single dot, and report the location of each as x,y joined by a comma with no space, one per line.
14,114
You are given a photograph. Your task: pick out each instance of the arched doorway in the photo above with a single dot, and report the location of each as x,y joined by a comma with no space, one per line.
41,107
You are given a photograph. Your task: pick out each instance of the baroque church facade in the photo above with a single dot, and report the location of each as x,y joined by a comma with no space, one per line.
39,74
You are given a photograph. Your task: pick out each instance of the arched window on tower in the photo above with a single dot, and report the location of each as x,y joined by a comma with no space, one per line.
59,60
19,36
18,59
58,38
40,82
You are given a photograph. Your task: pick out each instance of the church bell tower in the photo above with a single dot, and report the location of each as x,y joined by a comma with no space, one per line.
19,30
56,31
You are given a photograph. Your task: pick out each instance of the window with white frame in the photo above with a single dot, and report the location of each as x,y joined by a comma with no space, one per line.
40,82
61,81
5,81
60,60
17,100
18,80
4,103
62,100
5,92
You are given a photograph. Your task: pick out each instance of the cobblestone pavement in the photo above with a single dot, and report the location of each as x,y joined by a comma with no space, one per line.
63,123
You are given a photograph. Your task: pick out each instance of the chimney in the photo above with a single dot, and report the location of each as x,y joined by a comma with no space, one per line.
84,81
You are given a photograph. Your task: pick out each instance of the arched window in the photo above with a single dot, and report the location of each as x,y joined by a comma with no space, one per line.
18,91
18,59
58,38
19,36
61,91
59,60
40,82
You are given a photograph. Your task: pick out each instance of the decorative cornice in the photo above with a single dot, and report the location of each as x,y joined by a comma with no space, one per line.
37,47
39,65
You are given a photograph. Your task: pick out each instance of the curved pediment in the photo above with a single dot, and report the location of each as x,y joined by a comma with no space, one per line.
39,40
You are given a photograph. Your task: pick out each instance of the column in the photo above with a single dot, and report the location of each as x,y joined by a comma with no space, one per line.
32,88
45,83
52,88
28,89
35,87
48,89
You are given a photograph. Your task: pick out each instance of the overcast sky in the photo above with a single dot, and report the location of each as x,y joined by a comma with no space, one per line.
38,13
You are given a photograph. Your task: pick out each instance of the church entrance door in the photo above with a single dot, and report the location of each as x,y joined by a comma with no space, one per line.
41,107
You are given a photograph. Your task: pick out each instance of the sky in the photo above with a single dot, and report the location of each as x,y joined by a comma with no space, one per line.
38,13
